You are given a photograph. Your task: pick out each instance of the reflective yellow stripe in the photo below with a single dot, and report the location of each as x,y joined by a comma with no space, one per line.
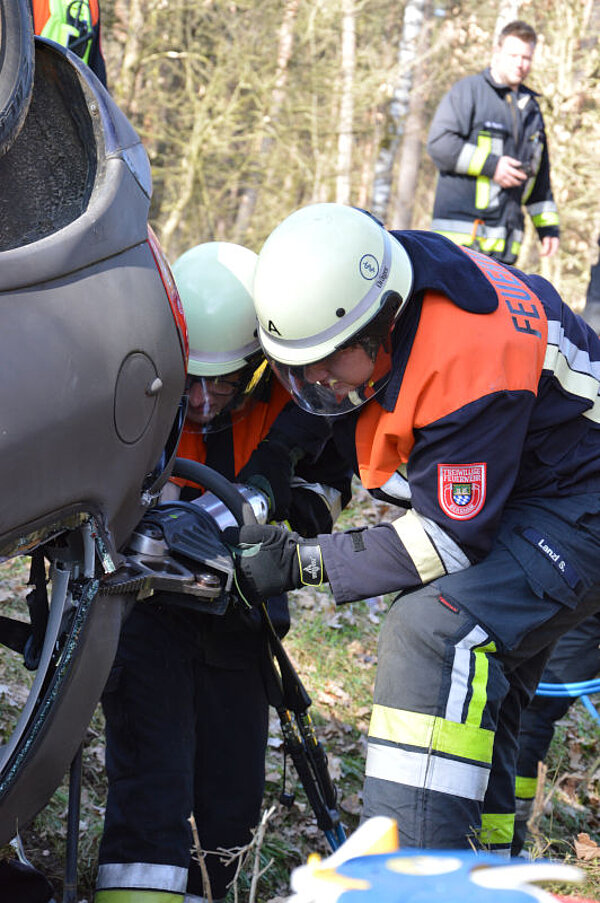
497,829
486,244
548,218
482,185
525,788
482,192
479,683
417,543
432,733
484,146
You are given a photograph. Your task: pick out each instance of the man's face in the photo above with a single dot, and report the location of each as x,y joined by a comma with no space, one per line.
511,61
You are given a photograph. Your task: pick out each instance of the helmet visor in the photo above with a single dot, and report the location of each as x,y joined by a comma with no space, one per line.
353,374
215,402
338,384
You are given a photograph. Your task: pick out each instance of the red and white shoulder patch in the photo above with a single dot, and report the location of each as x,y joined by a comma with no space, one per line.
461,489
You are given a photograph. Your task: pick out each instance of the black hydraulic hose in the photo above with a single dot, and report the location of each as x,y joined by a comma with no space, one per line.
318,759
294,747
217,483
295,695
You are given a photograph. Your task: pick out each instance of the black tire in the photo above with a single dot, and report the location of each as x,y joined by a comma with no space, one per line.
16,68
62,714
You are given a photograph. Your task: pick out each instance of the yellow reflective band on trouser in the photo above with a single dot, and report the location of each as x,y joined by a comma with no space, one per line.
525,788
430,732
417,543
497,830
126,895
479,684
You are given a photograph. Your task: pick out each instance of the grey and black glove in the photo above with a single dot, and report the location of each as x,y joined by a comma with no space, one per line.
270,560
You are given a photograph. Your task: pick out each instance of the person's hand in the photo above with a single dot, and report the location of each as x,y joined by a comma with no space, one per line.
509,172
269,469
549,245
270,560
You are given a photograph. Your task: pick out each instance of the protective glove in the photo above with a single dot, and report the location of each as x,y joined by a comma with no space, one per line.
269,469
270,560
308,512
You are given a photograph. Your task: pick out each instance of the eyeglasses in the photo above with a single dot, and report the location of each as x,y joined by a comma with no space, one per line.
217,386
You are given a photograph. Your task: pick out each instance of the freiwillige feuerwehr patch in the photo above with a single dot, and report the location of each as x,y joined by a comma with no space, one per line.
461,489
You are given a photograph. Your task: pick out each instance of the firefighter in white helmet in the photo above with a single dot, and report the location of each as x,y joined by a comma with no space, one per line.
466,391
186,704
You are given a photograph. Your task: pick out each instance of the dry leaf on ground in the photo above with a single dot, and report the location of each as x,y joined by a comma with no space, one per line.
586,848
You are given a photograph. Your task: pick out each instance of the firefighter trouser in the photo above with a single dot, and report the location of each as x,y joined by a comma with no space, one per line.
186,730
576,657
459,660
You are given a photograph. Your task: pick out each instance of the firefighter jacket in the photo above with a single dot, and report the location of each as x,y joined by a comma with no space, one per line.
493,399
476,123
75,26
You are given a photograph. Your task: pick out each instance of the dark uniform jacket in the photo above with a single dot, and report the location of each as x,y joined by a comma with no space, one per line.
476,123
493,400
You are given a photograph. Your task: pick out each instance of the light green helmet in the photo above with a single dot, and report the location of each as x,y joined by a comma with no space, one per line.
330,278
321,276
214,281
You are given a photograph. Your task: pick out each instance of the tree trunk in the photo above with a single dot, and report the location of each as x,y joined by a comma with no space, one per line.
508,11
397,108
412,142
284,51
345,130
125,88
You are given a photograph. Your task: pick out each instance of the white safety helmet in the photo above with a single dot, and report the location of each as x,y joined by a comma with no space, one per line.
214,281
329,277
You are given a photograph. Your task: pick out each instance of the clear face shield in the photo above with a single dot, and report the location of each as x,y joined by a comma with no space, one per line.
216,402
350,376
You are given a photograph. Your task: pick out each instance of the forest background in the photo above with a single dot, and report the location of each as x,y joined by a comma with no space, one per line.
251,108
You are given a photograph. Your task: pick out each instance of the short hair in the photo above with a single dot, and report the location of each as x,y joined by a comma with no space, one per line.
518,29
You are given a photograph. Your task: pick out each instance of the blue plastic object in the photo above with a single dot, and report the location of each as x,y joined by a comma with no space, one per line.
579,689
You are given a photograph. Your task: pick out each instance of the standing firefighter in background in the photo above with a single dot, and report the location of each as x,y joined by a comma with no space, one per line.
468,393
488,141
74,24
186,703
